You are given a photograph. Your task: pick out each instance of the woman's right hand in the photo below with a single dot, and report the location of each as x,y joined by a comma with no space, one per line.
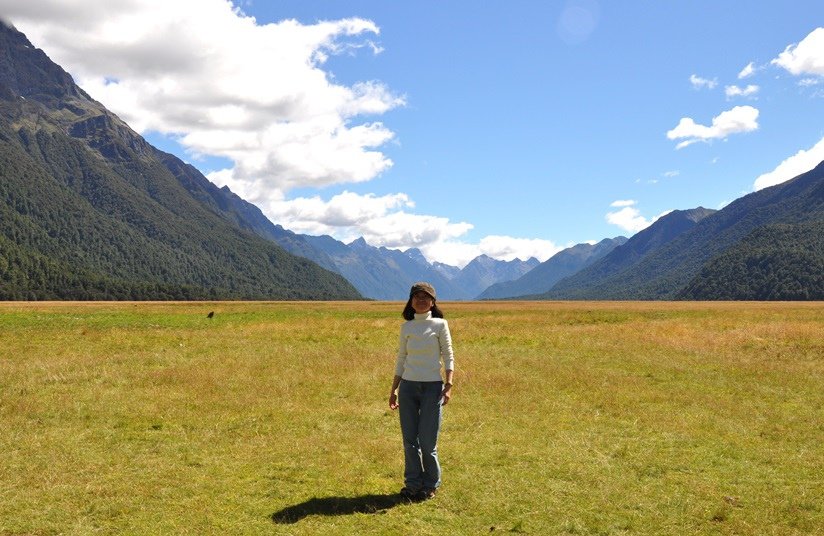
393,401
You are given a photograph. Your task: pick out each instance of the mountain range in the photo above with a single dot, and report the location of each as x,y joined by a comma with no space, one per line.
548,273
690,254
90,210
385,274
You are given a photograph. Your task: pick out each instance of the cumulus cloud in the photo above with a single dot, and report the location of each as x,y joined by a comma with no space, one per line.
508,248
223,84
384,221
381,220
747,71
505,248
735,91
700,83
628,217
346,209
800,162
737,120
806,57
453,252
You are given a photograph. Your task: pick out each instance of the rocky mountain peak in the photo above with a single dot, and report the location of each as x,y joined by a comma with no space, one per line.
26,71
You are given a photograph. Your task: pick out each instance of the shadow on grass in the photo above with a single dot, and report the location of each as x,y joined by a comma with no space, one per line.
338,506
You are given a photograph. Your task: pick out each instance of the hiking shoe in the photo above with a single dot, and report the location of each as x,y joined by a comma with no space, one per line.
425,494
408,493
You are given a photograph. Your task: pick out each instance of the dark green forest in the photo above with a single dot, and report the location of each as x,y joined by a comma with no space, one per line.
76,228
774,262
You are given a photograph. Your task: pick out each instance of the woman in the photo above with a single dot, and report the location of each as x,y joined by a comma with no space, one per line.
419,390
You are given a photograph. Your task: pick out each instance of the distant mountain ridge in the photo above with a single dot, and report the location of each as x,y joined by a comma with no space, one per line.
386,274
564,263
484,271
90,210
661,261
662,231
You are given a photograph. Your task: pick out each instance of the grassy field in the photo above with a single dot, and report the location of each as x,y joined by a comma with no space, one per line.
272,418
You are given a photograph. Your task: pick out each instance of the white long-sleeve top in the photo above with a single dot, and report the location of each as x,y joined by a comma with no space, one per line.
425,343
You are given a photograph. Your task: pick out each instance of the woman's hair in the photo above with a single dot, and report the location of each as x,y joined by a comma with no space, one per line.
409,311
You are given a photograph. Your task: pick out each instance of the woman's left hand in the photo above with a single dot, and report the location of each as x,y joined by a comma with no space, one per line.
446,394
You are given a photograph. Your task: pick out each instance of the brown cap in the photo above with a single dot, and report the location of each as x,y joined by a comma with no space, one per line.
422,286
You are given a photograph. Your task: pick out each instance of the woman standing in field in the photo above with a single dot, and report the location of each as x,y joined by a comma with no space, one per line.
420,391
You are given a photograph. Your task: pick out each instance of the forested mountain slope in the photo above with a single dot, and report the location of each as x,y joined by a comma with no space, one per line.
782,261
90,210
665,271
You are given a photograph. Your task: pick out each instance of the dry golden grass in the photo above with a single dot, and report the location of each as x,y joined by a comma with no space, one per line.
271,418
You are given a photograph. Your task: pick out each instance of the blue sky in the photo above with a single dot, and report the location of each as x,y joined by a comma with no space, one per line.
507,128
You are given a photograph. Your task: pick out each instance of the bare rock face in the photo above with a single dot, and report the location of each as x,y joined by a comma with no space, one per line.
26,71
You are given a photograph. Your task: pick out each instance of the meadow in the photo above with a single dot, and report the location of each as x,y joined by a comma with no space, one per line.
271,418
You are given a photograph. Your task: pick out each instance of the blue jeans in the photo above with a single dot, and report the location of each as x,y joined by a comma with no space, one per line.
420,411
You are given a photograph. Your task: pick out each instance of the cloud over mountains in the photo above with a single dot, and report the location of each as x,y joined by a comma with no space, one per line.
259,95
226,85
263,97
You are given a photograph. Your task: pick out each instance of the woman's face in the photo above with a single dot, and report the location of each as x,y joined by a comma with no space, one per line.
422,302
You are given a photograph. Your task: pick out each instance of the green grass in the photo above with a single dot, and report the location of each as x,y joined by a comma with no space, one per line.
272,418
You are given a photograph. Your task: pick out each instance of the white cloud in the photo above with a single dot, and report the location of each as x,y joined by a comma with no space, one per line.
385,221
806,57
223,84
799,163
747,71
381,220
628,218
457,253
734,121
508,248
700,83
809,82
671,174
451,252
735,91
346,209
